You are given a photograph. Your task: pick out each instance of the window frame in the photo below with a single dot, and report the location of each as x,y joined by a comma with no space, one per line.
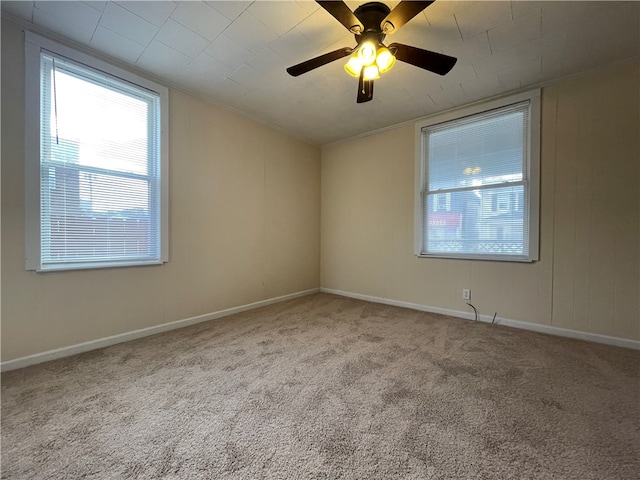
532,173
34,45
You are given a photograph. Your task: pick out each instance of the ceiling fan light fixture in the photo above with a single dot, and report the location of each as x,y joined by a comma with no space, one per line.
367,52
370,23
353,66
385,59
371,72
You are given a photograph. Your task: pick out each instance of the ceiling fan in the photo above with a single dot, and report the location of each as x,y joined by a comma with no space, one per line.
371,23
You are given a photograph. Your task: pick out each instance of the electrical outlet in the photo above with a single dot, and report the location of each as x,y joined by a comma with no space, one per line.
466,294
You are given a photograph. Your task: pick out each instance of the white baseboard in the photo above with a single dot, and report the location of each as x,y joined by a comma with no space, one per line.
165,327
548,329
144,332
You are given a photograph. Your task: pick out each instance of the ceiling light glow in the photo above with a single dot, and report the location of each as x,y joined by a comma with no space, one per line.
371,72
367,53
385,59
353,66
371,60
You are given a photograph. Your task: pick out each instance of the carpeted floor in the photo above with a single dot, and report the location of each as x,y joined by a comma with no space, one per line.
325,387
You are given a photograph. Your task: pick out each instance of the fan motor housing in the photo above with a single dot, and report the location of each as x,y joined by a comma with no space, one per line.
371,15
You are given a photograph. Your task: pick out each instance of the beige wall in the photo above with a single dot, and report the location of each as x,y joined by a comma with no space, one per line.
587,276
244,226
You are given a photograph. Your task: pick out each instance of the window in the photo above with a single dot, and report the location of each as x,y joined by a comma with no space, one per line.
96,166
477,181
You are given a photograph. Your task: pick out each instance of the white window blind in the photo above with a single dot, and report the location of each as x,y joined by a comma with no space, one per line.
475,196
100,170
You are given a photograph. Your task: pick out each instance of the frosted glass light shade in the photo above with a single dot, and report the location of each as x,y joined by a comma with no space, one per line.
371,72
385,59
367,53
353,66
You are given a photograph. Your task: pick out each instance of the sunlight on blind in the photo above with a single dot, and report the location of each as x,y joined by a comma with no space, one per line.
100,191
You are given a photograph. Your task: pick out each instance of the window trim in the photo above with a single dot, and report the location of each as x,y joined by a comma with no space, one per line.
34,44
533,173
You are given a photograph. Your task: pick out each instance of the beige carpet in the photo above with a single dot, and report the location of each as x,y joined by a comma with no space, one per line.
325,387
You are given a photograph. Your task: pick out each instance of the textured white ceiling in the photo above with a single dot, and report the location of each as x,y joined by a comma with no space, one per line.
235,53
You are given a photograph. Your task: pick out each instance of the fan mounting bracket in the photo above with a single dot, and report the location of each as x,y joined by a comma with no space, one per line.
371,15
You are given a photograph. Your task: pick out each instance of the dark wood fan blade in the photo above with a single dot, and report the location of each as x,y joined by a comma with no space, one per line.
341,12
316,62
432,61
400,15
365,89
